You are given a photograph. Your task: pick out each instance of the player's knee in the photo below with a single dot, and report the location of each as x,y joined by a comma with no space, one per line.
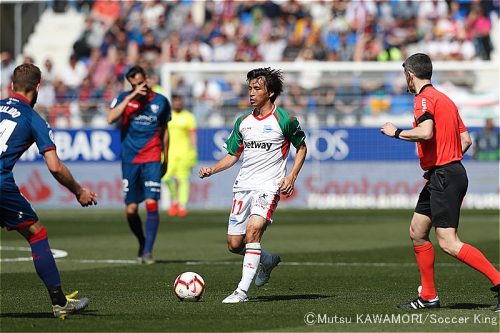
38,235
418,236
29,231
446,246
235,246
131,210
253,235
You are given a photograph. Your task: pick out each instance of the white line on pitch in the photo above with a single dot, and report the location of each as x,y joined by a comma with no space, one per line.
59,254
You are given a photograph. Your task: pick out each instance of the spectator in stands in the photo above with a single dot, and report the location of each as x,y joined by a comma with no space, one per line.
46,98
345,47
487,143
348,106
292,50
189,30
258,27
151,33
106,11
162,30
150,49
271,48
59,114
224,50
72,75
478,25
151,13
48,72
88,101
7,66
91,37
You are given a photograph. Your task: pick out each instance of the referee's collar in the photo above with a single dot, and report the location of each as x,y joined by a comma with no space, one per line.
423,87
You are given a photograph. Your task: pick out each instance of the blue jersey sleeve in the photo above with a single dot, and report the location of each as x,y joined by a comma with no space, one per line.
42,134
118,99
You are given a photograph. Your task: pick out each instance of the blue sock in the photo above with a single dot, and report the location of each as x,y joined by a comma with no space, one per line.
135,224
45,266
151,226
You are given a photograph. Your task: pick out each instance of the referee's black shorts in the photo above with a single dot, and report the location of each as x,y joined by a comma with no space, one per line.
442,196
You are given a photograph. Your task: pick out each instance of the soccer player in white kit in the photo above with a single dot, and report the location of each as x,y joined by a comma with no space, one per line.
264,134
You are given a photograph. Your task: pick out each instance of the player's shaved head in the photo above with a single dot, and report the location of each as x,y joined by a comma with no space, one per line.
26,78
273,80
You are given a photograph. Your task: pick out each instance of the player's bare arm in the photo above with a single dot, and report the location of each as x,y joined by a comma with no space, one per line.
165,141
225,163
465,141
424,131
115,113
62,174
288,182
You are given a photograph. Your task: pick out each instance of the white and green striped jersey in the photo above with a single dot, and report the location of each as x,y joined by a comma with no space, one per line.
265,143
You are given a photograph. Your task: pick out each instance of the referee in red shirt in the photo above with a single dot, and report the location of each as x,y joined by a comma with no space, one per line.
442,139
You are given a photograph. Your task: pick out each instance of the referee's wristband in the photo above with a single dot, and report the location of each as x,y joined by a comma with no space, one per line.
398,132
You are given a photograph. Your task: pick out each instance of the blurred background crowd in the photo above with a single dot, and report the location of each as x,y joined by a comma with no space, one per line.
119,34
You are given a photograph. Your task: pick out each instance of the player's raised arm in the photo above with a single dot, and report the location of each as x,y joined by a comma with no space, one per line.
62,174
117,110
225,163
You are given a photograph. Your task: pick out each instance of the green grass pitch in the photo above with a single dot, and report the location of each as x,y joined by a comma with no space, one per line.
339,265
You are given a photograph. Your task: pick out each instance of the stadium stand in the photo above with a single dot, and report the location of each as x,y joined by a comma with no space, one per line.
88,65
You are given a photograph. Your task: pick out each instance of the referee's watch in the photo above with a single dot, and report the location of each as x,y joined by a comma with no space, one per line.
397,133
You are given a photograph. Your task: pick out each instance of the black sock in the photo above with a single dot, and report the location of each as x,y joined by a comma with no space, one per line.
135,224
57,296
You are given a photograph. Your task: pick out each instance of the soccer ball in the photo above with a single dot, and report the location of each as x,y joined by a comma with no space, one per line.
189,286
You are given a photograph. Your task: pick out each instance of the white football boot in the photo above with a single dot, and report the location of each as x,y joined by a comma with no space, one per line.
238,296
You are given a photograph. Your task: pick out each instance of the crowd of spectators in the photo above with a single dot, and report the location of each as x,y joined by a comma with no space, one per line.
119,34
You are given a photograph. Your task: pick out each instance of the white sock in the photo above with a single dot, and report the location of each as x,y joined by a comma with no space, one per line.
265,258
250,264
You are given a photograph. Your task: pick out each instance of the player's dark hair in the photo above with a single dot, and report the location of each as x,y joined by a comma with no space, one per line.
134,71
273,77
26,77
419,64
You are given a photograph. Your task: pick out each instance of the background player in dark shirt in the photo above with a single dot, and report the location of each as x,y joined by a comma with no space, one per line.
442,139
20,126
143,116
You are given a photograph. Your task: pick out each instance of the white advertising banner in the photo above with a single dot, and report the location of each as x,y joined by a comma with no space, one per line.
320,185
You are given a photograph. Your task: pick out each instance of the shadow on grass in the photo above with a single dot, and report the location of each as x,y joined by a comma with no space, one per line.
467,306
90,313
274,298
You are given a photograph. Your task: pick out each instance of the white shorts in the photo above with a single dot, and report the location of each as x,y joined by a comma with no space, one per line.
246,203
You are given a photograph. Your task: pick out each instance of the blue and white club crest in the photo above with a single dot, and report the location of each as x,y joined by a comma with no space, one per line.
155,108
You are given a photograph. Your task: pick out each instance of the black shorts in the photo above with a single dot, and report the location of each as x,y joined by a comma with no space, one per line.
442,196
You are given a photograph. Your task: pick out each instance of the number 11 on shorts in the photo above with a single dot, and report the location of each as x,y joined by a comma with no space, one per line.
238,203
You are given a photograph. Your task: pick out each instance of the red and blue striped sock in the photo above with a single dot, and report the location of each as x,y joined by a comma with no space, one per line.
151,226
45,266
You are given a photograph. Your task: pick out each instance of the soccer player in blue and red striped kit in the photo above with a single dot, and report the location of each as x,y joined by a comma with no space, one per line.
20,127
442,139
143,116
